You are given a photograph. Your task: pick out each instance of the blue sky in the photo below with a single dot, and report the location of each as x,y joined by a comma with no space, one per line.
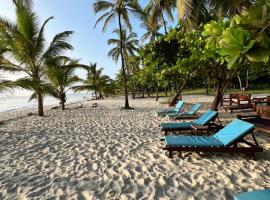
90,44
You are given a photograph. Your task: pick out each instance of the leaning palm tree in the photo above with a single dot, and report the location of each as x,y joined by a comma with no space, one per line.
119,10
157,9
60,73
26,50
129,48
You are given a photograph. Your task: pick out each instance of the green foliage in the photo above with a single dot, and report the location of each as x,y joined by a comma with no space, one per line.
171,59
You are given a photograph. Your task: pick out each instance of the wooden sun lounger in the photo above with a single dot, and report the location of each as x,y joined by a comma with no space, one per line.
226,140
190,114
207,119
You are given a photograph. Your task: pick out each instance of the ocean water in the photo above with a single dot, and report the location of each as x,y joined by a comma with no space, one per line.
13,102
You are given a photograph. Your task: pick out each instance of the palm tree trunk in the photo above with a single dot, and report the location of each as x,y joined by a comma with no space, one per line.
164,23
63,101
95,94
133,90
40,104
123,63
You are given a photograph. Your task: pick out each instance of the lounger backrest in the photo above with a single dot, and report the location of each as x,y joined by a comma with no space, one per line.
233,131
194,108
179,105
206,117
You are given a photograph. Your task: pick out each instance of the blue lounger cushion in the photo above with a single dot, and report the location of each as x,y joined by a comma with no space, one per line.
196,141
233,132
175,126
202,120
194,108
206,117
177,108
254,195
223,138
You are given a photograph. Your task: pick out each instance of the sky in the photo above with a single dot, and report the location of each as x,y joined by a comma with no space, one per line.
90,43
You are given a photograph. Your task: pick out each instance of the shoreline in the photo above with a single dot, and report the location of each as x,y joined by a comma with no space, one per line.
191,98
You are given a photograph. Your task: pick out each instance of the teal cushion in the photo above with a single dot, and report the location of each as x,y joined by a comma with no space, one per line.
254,195
177,108
206,117
233,131
203,120
194,141
175,126
179,104
194,108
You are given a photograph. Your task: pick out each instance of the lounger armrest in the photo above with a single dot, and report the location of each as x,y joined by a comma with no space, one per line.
184,116
247,116
200,129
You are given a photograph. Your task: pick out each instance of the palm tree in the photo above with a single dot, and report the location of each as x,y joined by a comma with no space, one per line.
129,47
94,77
26,49
152,28
230,8
60,73
156,10
120,10
95,81
195,12
25,3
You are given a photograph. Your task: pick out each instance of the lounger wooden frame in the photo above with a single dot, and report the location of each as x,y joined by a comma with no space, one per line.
234,148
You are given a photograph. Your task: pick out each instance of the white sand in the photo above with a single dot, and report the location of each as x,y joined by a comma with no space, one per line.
108,153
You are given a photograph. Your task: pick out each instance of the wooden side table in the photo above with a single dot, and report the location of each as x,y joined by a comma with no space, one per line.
200,130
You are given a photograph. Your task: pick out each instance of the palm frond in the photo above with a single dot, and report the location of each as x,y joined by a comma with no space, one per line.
58,45
100,6
40,41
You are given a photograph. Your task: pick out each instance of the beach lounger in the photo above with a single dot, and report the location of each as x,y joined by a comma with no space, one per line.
205,119
254,195
191,114
178,108
225,140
